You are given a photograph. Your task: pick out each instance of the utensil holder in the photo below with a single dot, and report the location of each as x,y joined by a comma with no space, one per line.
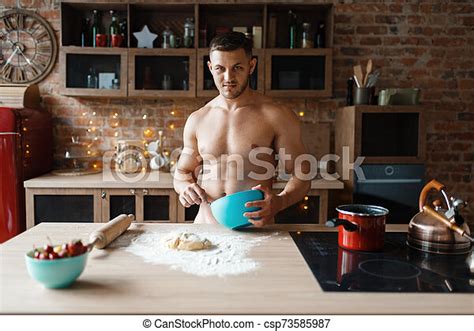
362,96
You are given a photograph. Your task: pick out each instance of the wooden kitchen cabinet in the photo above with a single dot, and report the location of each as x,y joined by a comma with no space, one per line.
82,68
91,198
281,71
62,205
99,205
298,72
162,72
157,205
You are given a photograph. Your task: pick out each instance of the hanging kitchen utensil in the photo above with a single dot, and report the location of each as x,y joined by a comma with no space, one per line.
367,72
439,230
359,75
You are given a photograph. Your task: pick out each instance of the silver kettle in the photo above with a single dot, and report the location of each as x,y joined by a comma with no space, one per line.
439,230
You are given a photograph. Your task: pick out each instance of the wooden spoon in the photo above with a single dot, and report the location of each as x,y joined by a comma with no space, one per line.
369,70
359,75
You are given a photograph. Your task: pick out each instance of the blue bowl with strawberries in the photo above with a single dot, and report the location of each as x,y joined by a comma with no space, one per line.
57,266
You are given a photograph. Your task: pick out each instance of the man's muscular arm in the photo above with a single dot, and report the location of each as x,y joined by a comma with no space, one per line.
185,178
288,139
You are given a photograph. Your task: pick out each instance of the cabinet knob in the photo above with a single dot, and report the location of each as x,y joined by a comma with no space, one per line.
132,191
145,191
103,195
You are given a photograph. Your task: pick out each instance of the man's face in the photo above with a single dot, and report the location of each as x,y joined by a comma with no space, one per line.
231,71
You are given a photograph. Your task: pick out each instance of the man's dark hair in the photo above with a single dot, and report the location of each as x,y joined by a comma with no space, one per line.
231,41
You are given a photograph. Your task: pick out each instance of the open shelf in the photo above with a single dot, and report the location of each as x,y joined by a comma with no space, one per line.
148,68
298,72
105,64
281,71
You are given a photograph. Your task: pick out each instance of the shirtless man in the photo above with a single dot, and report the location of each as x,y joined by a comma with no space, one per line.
219,139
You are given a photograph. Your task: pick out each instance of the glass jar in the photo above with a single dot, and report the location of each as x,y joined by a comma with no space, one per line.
166,38
92,81
306,41
166,84
115,84
188,33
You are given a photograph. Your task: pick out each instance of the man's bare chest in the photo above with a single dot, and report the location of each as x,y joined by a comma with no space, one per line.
234,136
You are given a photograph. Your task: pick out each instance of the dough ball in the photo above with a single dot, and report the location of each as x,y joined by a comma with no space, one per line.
186,241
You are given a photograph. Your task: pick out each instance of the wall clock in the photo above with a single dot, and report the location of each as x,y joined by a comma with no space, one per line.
28,47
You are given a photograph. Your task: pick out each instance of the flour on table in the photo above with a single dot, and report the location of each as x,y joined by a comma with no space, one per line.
226,256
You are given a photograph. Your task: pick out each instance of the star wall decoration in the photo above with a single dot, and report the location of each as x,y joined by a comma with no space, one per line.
145,38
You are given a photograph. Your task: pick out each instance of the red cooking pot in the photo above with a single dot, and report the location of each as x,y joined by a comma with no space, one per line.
361,227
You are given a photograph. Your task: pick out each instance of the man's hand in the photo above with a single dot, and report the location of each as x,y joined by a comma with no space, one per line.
270,206
193,194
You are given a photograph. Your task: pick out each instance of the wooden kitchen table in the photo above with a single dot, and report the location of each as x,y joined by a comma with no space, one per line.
116,281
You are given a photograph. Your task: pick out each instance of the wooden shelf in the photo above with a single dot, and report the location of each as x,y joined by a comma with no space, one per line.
325,89
68,54
157,55
207,16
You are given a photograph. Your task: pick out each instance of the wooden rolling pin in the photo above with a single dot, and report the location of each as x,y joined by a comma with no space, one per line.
110,231
446,222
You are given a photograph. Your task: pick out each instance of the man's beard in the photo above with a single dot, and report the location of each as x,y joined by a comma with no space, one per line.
238,92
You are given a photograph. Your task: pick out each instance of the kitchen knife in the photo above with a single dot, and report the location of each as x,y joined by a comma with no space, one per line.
110,231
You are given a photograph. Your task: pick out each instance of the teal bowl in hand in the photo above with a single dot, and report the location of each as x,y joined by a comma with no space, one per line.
58,273
229,210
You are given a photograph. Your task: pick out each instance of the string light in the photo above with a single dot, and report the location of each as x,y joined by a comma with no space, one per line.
148,133
301,113
306,198
144,117
172,126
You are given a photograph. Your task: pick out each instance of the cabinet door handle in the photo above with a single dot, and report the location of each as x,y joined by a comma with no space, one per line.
132,191
145,191
103,195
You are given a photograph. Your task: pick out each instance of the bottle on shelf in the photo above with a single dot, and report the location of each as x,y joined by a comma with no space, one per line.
114,37
188,33
92,81
321,36
97,35
123,31
292,29
166,37
85,39
115,84
306,40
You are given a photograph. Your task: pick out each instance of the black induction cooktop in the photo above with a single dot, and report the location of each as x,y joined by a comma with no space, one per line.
397,268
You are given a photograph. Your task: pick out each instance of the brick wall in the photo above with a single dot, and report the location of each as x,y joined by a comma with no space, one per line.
426,44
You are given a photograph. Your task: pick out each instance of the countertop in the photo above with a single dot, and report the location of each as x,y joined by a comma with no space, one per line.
116,281
154,179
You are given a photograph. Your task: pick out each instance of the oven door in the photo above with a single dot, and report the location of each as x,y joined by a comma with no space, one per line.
393,186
